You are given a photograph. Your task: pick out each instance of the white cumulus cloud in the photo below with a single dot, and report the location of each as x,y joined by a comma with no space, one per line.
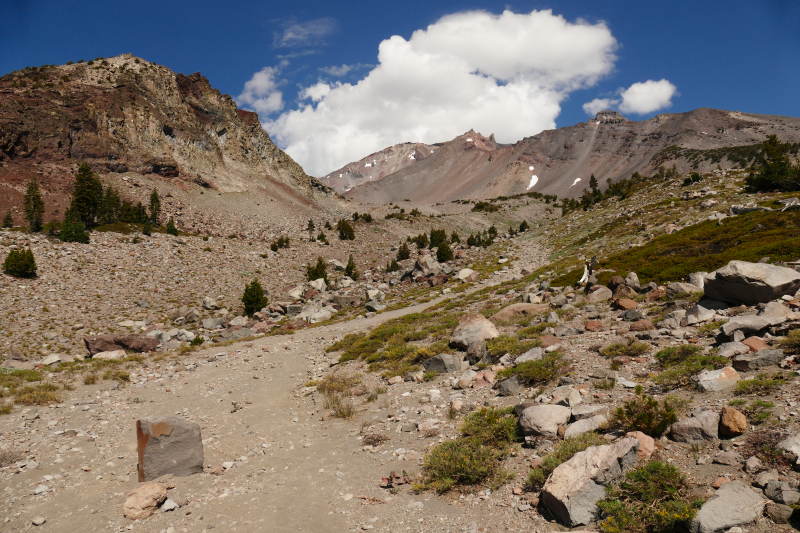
261,92
504,74
640,98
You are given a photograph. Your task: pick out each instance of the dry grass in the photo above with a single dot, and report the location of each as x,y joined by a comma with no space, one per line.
40,394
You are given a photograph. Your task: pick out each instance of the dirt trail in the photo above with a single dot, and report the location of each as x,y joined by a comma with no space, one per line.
292,472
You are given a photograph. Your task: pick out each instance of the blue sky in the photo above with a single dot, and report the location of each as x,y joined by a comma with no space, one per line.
732,54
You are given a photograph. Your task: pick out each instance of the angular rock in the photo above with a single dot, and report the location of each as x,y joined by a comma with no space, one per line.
703,425
757,360
510,387
732,423
465,381
213,323
472,327
678,289
730,458
168,445
740,282
112,341
566,396
749,324
642,325
698,279
717,380
143,501
779,513
318,285
599,294
534,354
443,363
625,304
464,274
781,492
573,489
584,426
111,355
647,445
791,444
756,344
477,353
347,300
579,412
515,310
632,281
729,349
734,504
543,420
753,464
210,304
374,307
775,310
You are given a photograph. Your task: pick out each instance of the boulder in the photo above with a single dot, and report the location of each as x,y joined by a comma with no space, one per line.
632,281
143,501
318,285
623,292
543,420
374,307
213,323
347,300
566,396
792,444
642,325
729,349
579,412
734,504
477,353
614,282
698,279
756,344
647,445
717,380
599,294
534,354
515,310
749,324
781,492
732,423
168,445
625,304
585,425
426,266
443,363
464,274
472,327
210,304
110,355
779,513
465,381
703,425
573,489
678,289
510,387
757,360
112,341
740,282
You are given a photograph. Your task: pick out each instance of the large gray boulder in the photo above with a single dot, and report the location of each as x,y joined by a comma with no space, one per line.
703,425
757,360
740,282
443,363
510,387
472,327
168,445
543,420
678,289
748,324
573,489
734,504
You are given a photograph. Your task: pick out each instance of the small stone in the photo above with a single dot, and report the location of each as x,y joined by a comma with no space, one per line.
732,423
143,501
719,482
38,520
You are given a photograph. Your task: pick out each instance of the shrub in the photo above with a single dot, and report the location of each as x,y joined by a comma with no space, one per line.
8,220
321,238
444,253
317,271
764,445
147,228
492,427
346,232
338,383
775,170
20,264
486,207
253,298
454,238
644,414
438,236
683,362
762,383
341,407
630,350
328,225
171,228
350,269
532,372
393,266
40,394
523,226
366,217
430,375
420,240
691,179
651,499
791,343
463,461
403,252
73,230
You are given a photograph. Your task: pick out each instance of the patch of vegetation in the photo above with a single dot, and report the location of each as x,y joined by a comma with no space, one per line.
562,453
683,362
172,229
791,343
340,406
346,232
651,499
764,445
338,383
485,207
474,457
253,298
758,411
504,344
283,242
532,372
430,375
645,414
403,252
319,270
350,269
706,247
775,170
707,330
39,394
761,384
619,349
20,264
345,343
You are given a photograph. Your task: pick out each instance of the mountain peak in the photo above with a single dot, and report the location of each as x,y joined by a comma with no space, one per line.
612,117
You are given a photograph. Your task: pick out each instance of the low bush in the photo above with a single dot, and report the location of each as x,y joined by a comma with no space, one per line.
532,372
562,453
40,394
317,271
680,363
791,343
172,229
20,264
618,349
341,407
504,344
253,298
651,499
350,269
764,445
485,207
338,383
645,414
760,384
346,232
492,427
403,252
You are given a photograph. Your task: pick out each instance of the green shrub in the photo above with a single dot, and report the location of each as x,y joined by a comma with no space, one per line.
317,271
651,499
73,230
20,264
350,269
253,298
683,362
761,384
420,240
524,226
630,350
430,375
492,427
454,238
444,253
485,207
393,266
8,220
171,228
774,171
791,343
147,228
34,206
463,461
438,236
562,453
644,414
532,372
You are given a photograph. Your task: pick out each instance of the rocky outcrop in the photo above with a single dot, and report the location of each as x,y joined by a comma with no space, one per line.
112,341
740,282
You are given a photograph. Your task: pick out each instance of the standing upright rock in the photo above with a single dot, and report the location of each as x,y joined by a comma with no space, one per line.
168,445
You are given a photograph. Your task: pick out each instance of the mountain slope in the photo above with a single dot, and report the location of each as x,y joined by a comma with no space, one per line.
561,161
125,115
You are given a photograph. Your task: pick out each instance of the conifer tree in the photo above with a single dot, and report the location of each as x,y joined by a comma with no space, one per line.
171,228
87,195
8,220
350,270
155,207
34,206
253,298
20,264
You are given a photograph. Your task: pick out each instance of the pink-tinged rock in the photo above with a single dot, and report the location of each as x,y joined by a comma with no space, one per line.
594,325
732,423
472,328
143,501
720,481
642,325
515,310
549,340
756,344
112,341
599,293
625,304
717,380
395,380
647,445
543,420
110,355
483,379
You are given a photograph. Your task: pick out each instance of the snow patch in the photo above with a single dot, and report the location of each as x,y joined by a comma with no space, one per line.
530,167
340,175
469,139
534,179
575,182
367,165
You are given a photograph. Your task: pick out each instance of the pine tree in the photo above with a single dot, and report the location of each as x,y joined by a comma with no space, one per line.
155,207
20,264
350,270
171,228
320,270
87,195
148,228
403,252
444,253
454,238
253,298
34,206
8,220
73,230
310,229
346,232
110,207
